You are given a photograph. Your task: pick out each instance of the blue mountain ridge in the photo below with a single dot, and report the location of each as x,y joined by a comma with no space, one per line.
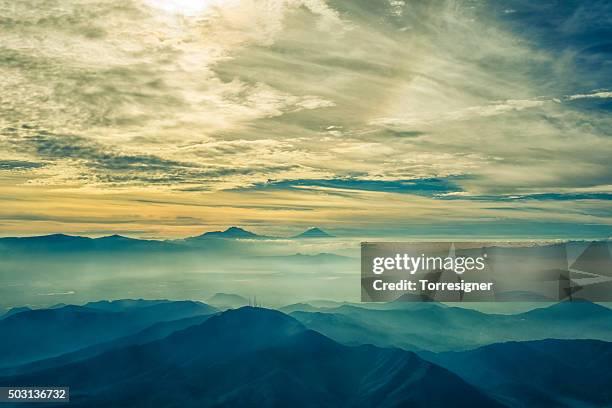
231,233
313,233
256,357
265,357
75,243
418,326
70,328
154,332
541,373
61,243
227,300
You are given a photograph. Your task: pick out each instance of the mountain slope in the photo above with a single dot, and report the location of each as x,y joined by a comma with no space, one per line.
412,328
313,233
227,300
74,244
418,325
154,332
14,310
230,233
70,328
350,330
539,373
256,357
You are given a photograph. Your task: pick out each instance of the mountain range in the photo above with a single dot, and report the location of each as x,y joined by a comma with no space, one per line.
227,300
73,243
542,373
230,233
418,326
256,357
189,354
70,328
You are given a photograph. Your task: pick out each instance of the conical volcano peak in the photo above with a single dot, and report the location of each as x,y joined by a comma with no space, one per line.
313,232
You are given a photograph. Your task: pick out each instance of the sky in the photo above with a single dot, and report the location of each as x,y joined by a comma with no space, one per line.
167,118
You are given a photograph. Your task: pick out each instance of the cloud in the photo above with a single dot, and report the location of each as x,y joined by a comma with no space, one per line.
96,163
347,100
462,195
16,165
156,69
69,292
425,187
600,94
469,113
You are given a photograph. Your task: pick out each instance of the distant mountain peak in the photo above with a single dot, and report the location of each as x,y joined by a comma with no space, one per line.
221,295
227,300
255,323
258,318
46,239
314,232
57,237
231,232
15,310
115,237
572,309
237,230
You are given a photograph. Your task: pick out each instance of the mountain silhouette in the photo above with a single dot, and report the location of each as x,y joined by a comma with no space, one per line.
570,311
119,305
540,373
119,242
353,324
298,307
154,332
256,357
313,233
231,233
68,243
227,300
463,328
15,310
47,242
351,330
70,328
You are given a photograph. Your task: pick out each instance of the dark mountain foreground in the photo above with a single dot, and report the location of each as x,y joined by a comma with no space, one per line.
256,357
543,373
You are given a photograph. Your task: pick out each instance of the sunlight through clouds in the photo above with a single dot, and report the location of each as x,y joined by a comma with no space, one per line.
198,98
